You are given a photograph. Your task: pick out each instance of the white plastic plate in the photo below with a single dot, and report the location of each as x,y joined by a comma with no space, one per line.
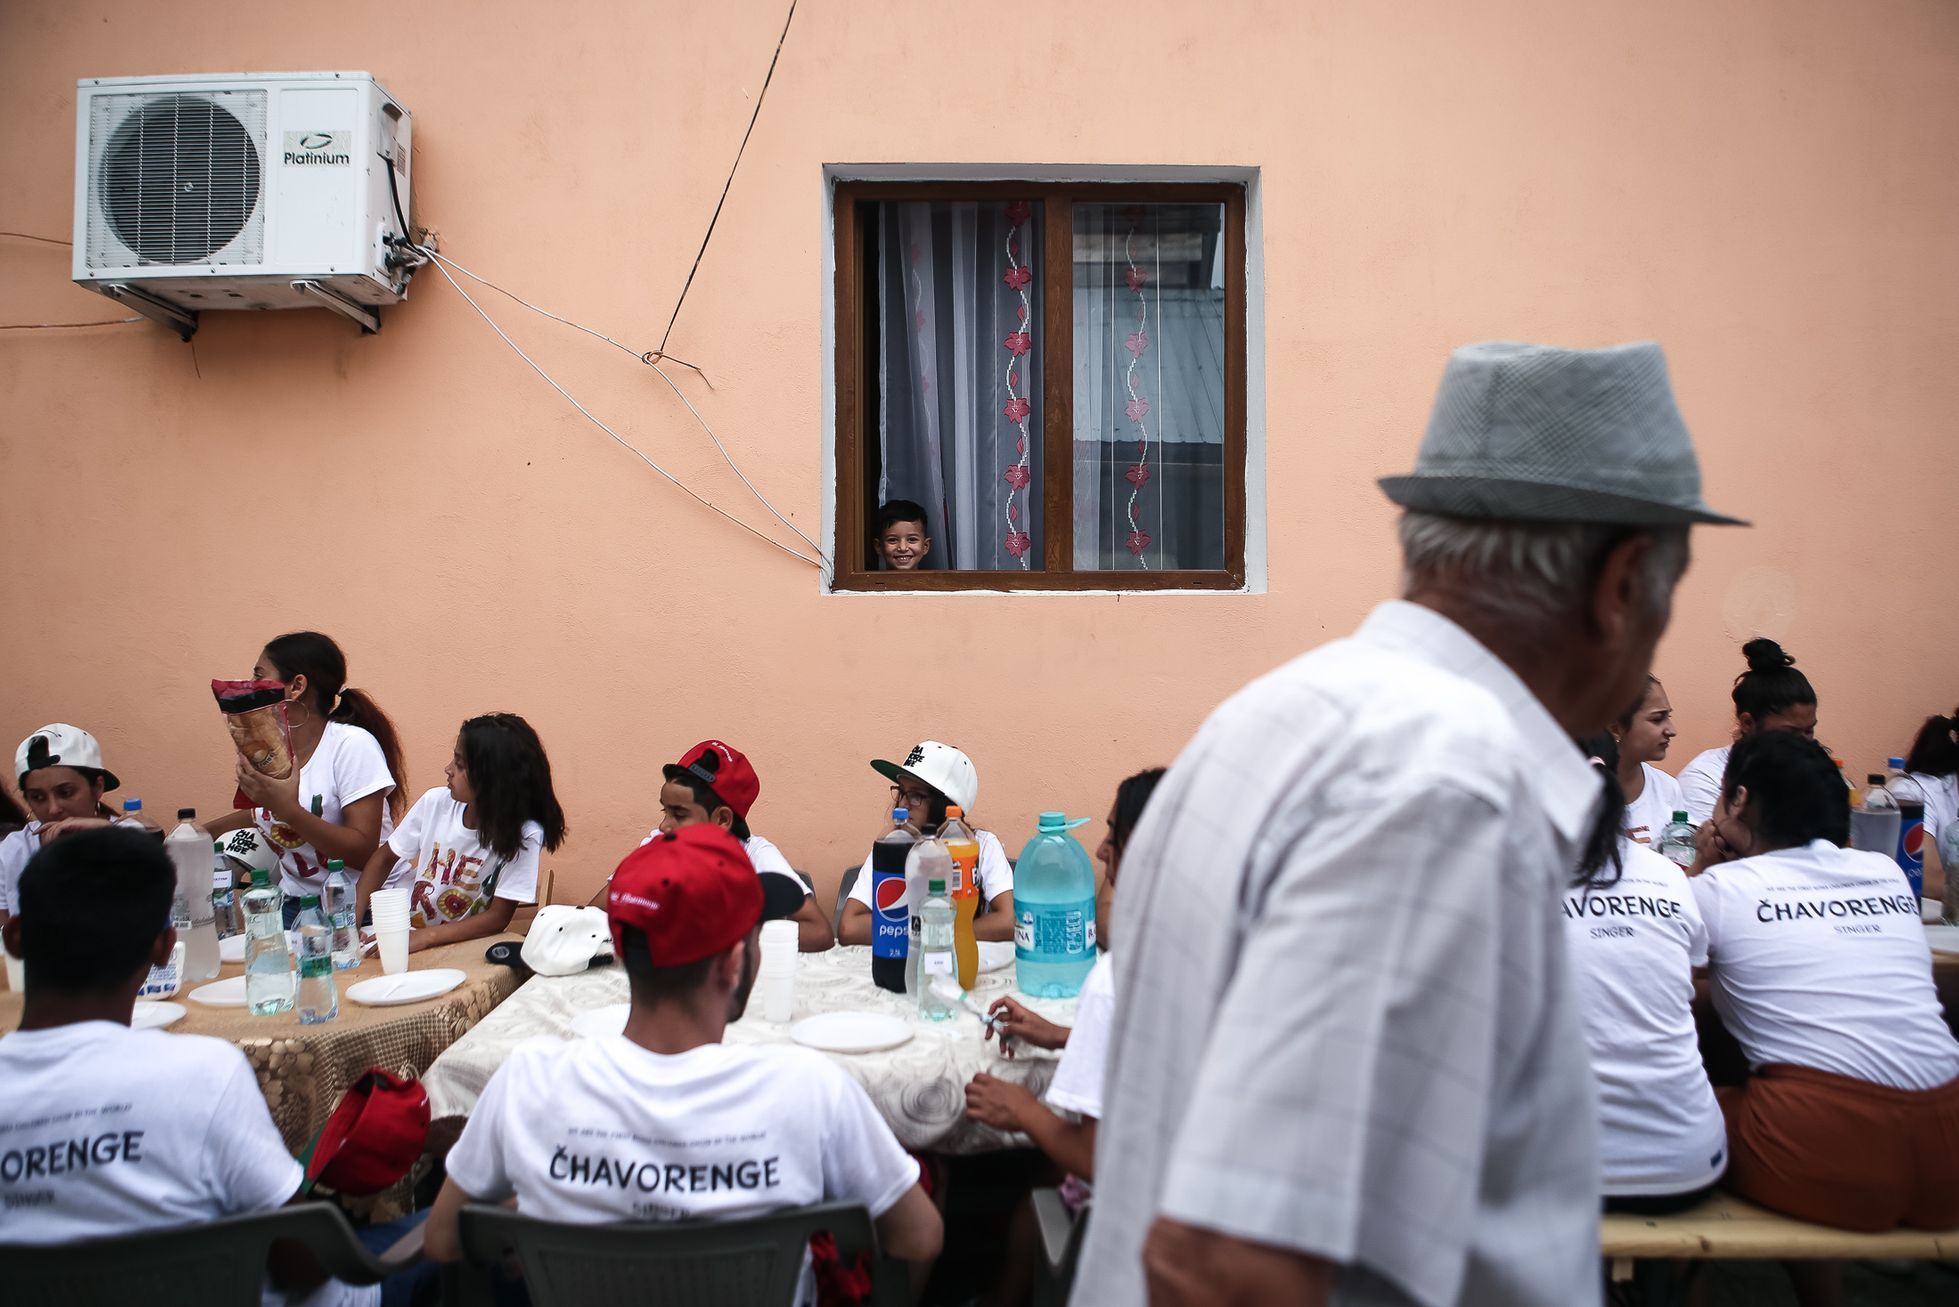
995,954
601,1022
850,1032
408,987
231,948
1943,939
229,992
156,1015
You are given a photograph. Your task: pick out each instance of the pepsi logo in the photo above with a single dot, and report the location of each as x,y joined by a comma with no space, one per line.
1915,842
890,896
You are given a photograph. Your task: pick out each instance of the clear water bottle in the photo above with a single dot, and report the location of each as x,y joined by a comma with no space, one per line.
225,913
890,926
268,956
1910,795
132,813
1676,843
1054,911
1874,821
929,860
198,930
340,916
318,1001
935,953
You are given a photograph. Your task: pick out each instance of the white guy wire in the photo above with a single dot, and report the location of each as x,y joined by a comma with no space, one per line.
622,441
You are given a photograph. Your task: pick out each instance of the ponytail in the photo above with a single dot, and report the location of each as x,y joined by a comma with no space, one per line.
1936,750
319,660
356,708
1599,862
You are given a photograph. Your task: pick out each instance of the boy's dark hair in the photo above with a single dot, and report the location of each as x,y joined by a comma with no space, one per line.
1132,796
1771,684
91,906
319,660
705,796
653,984
1936,750
1795,793
894,511
511,775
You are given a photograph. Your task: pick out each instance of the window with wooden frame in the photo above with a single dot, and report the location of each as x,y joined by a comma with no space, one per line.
1051,375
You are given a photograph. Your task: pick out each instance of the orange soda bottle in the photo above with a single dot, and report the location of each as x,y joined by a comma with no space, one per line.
964,847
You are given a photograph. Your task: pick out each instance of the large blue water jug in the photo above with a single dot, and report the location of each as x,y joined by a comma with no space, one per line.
1054,911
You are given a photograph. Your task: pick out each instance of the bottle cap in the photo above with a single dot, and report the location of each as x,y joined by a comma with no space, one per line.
132,805
954,810
930,829
260,876
935,885
186,814
1895,764
1052,822
1874,778
901,814
335,864
1680,814
310,901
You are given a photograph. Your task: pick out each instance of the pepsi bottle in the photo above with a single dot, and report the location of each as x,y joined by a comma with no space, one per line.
890,913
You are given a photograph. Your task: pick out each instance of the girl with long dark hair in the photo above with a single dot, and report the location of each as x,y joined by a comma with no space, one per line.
1770,696
469,850
342,799
1642,735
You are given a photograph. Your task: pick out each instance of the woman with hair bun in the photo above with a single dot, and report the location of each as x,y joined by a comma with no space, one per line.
1770,696
344,797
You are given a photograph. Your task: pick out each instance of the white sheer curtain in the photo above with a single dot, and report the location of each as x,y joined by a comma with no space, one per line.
957,285
1149,387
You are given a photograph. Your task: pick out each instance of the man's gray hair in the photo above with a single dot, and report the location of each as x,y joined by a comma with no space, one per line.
1535,573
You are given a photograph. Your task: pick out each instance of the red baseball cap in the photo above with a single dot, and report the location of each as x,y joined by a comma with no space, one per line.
725,771
374,1137
691,892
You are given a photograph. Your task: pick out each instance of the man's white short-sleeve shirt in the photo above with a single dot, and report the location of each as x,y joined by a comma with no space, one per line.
1345,1023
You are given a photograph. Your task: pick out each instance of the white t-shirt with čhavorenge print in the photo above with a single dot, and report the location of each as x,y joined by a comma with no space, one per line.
347,766
446,864
1649,814
1633,948
603,1130
106,1130
1819,960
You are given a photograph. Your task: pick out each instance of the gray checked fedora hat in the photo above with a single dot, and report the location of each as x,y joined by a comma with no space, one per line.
1541,434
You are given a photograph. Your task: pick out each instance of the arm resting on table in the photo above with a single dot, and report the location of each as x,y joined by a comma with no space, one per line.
854,927
813,933
1187,1265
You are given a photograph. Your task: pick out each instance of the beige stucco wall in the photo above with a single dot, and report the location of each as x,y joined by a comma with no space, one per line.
1766,187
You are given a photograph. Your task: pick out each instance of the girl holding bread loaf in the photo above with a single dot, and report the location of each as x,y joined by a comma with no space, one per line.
345,795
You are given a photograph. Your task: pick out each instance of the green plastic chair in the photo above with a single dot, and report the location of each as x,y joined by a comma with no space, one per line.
215,1264
751,1263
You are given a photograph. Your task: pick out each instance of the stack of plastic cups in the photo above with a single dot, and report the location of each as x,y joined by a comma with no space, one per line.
389,908
776,977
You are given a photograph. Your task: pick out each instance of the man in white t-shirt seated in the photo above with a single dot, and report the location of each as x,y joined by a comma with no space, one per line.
106,1130
715,783
665,1122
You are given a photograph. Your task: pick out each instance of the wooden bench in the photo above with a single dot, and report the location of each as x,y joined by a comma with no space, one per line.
1727,1228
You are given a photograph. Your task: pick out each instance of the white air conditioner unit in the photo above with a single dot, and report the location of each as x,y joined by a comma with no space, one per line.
242,191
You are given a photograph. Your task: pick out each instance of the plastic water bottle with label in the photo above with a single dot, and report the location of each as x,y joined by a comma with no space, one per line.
1054,911
318,1000
268,954
928,861
935,953
1874,821
197,927
1676,842
339,907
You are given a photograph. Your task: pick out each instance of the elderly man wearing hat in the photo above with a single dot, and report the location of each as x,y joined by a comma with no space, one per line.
664,1121
1347,1064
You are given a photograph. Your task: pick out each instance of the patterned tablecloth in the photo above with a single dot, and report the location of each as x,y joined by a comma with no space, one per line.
919,1087
303,1070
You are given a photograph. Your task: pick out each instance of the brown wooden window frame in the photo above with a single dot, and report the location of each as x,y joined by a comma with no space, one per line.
1054,568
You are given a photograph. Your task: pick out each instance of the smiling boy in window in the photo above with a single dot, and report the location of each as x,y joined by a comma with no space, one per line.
900,535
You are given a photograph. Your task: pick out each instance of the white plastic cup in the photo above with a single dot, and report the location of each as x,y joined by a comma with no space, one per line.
778,996
393,946
389,902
